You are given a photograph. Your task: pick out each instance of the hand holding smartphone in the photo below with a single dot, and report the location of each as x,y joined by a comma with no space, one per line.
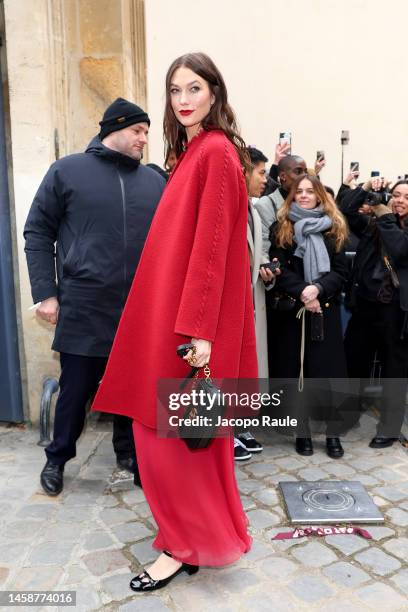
285,138
271,265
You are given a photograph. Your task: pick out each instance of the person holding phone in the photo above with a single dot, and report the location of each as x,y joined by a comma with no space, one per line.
192,285
378,296
262,277
308,239
290,168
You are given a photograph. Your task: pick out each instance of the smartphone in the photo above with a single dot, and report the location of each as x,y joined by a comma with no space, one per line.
286,138
317,327
355,166
271,265
345,137
375,173
320,156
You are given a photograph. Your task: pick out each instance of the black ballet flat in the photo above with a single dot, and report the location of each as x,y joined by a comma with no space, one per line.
144,582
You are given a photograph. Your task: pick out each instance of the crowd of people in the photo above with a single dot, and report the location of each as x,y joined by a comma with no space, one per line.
308,231
250,269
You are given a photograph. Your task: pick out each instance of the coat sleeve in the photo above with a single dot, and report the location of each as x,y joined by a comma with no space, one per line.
332,282
349,205
289,281
264,208
218,210
394,238
40,233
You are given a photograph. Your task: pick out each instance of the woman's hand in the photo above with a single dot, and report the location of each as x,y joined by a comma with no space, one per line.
281,150
202,353
313,306
376,183
266,273
351,179
319,165
309,294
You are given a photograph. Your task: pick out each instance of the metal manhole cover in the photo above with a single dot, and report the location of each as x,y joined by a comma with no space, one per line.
329,502
327,499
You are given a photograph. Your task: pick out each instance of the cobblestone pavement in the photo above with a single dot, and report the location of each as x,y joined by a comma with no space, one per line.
93,541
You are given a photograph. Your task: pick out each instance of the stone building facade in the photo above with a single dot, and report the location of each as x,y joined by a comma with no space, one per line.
66,61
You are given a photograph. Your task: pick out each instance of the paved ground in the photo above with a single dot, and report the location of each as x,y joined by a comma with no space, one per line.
93,541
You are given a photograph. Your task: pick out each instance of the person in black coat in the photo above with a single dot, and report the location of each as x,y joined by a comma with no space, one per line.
84,236
308,241
378,298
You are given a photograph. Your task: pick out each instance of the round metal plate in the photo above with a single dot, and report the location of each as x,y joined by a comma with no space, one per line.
328,499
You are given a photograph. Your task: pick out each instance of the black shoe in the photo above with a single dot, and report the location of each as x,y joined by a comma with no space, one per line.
249,442
240,452
382,442
52,478
304,446
144,582
127,463
136,480
334,448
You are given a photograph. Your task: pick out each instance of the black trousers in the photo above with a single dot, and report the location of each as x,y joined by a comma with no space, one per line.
78,382
376,326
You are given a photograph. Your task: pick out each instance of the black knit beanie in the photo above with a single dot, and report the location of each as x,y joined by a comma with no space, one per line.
121,114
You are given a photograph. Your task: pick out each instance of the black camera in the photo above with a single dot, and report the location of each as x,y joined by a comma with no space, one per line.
378,197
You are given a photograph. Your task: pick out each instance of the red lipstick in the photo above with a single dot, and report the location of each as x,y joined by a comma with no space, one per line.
185,113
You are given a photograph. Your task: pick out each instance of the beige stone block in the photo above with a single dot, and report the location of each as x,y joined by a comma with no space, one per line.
101,83
103,78
100,26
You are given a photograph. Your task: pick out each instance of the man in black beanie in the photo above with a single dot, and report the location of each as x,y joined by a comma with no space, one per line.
84,236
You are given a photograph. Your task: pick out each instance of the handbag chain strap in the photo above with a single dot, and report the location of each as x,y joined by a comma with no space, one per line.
207,372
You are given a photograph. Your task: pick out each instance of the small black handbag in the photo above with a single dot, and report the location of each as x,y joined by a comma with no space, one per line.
201,435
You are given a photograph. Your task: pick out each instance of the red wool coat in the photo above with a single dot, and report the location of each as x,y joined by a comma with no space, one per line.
193,280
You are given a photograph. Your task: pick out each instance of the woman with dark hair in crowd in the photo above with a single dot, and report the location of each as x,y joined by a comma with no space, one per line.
170,160
308,240
192,284
379,297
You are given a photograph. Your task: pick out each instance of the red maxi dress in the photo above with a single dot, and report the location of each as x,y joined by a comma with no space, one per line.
193,280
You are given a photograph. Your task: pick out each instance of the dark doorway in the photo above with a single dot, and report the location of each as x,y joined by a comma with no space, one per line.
11,405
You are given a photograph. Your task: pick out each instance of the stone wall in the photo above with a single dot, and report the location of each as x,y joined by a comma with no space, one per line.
309,67
67,60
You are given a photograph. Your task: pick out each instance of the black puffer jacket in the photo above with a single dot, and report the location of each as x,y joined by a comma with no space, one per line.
97,207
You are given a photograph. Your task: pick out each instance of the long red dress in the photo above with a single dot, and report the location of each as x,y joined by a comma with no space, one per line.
193,280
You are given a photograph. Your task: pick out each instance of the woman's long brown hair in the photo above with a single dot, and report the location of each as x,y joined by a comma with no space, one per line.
221,115
285,231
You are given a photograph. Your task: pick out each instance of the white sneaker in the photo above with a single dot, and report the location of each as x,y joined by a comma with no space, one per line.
240,452
249,442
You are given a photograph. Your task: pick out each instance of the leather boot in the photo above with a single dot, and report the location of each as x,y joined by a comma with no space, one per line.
382,442
304,446
334,448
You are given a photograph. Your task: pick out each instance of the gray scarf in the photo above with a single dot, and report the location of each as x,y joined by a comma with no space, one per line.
309,225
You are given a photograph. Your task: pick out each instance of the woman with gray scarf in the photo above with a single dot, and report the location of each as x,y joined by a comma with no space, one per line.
308,241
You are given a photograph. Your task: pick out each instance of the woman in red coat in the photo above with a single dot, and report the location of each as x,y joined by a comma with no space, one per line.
192,284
